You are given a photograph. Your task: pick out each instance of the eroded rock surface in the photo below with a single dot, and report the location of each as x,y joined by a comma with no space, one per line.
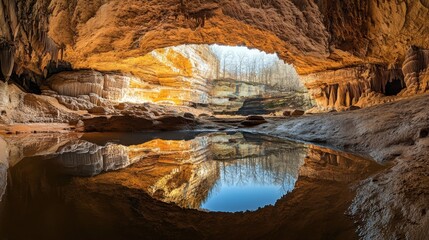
313,35
395,132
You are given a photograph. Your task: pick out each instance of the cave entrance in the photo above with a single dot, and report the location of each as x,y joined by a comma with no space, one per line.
228,80
393,87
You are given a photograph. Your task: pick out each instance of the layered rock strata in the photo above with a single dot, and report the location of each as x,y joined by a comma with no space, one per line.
229,96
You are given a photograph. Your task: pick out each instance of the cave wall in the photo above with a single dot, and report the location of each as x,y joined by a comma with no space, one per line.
366,85
340,89
319,37
175,75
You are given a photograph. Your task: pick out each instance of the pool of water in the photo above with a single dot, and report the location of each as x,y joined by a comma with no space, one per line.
174,185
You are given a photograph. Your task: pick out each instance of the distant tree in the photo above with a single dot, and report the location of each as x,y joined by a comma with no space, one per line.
255,66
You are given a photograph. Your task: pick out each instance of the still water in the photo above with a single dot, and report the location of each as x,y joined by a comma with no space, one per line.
174,185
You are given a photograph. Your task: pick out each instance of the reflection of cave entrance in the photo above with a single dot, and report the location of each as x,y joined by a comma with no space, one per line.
393,87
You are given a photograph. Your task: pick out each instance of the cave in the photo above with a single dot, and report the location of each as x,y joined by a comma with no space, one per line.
393,87
284,119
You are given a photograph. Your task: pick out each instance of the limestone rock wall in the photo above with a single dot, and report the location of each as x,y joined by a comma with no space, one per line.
233,88
230,96
96,88
340,89
17,106
177,75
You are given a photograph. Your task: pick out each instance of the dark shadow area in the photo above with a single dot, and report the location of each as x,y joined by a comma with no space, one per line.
394,87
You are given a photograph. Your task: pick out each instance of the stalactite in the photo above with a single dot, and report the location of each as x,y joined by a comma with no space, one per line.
341,96
348,100
42,43
333,95
49,46
62,48
7,59
326,96
197,11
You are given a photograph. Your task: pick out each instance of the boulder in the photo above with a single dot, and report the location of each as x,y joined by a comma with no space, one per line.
189,115
287,113
121,106
297,112
97,110
74,103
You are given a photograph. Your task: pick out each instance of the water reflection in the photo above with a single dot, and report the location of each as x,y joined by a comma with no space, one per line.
89,187
212,171
250,183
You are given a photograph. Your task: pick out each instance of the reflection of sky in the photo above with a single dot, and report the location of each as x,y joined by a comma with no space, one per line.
244,187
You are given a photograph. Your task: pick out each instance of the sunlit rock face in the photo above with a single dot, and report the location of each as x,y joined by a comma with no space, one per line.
229,96
175,75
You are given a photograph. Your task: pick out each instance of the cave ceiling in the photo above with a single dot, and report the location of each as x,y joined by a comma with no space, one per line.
113,35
